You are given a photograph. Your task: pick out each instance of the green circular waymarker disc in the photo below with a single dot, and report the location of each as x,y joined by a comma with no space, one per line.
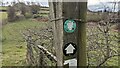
69,26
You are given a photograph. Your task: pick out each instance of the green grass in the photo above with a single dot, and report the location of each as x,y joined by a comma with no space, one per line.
110,61
3,8
3,15
12,55
12,30
12,39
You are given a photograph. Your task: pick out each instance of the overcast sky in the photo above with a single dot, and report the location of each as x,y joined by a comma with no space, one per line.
44,2
93,2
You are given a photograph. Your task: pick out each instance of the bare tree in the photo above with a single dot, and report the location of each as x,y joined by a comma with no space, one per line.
103,41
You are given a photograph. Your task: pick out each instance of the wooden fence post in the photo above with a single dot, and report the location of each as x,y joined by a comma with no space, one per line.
57,30
82,35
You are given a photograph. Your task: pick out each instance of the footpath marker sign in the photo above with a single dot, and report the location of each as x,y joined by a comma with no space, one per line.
70,26
69,49
70,44
72,63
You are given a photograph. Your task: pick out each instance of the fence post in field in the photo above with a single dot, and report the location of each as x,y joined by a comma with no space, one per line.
69,25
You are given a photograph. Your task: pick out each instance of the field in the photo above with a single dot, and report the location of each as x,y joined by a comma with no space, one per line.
14,46
3,15
3,8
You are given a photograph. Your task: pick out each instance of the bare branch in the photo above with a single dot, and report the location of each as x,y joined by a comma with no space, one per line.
47,53
106,59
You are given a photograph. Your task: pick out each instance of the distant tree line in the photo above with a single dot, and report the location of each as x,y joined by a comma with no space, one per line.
14,2
20,11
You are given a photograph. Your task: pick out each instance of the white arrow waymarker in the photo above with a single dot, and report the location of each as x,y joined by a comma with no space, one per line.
69,49
72,63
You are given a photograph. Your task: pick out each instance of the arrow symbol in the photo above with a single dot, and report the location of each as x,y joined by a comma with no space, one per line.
71,62
69,49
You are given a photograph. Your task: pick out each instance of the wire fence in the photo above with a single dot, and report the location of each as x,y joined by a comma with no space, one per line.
40,50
